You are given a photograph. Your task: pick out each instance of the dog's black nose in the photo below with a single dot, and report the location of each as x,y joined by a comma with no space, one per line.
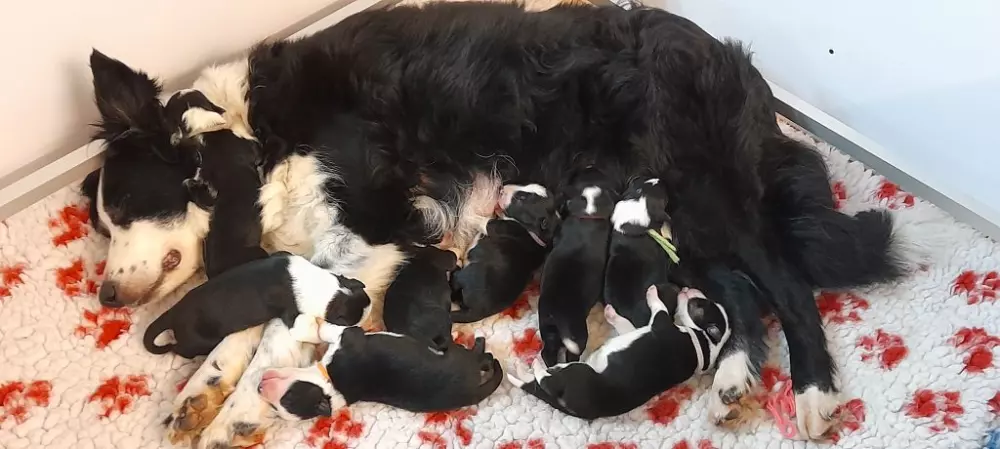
106,295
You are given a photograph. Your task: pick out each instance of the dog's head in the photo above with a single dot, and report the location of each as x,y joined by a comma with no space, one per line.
139,198
300,393
532,206
588,195
350,303
642,206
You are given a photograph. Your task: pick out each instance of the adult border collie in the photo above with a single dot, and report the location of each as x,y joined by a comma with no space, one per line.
400,125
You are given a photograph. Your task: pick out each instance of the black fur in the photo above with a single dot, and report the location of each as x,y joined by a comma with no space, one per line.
418,302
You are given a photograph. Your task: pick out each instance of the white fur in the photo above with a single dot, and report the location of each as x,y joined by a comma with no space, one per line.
226,86
136,253
618,322
734,372
571,346
203,120
277,349
653,181
314,287
813,412
632,212
590,194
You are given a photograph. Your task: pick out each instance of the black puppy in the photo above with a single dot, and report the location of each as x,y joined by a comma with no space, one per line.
385,368
281,286
502,261
573,275
418,302
632,367
635,259
227,181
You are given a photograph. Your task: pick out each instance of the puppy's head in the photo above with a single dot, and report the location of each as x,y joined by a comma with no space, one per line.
532,206
642,206
350,303
300,393
588,195
697,312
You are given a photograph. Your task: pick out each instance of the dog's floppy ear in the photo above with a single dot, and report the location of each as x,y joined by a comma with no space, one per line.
126,98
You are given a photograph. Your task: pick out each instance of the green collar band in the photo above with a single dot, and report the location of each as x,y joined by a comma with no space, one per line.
665,243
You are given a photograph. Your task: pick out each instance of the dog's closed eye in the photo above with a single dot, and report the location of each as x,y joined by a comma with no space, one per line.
714,332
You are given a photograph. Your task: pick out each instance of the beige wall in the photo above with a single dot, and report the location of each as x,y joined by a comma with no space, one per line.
45,92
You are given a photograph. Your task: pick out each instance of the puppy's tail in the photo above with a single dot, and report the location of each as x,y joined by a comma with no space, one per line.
157,327
832,249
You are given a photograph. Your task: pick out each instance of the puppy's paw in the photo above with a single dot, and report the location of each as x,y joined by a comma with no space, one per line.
306,328
814,413
198,406
729,402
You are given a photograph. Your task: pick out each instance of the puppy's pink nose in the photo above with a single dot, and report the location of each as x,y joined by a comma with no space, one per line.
270,390
269,374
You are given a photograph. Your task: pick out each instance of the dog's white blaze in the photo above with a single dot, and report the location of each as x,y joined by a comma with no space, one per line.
653,181
536,189
590,194
277,349
683,316
135,253
716,349
632,212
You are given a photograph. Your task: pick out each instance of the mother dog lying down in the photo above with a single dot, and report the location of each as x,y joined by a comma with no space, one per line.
400,125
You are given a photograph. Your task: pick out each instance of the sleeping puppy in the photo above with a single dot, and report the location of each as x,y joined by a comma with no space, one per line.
227,181
281,286
503,260
635,259
573,275
418,302
385,368
632,367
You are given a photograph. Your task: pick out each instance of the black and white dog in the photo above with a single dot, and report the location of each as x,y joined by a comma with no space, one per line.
635,260
372,132
385,368
418,302
281,286
503,260
573,275
637,364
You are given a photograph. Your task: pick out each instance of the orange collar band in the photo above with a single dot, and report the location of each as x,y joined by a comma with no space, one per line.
322,370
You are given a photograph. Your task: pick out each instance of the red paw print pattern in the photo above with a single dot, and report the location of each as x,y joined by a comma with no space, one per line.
703,444
893,197
534,443
105,325
851,415
18,398
335,432
839,194
772,379
666,407
978,347
613,445
457,421
976,287
888,348
994,404
467,339
78,279
522,306
10,277
118,393
841,308
941,408
70,224
527,346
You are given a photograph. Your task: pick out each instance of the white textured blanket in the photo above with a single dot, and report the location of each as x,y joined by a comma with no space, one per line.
917,358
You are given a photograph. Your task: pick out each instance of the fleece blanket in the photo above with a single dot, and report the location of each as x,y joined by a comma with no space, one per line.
916,358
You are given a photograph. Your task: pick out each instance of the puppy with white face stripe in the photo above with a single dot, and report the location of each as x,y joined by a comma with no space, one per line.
635,260
281,286
632,367
573,274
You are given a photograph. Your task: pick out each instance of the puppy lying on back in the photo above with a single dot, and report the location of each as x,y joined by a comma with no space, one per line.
281,286
573,276
227,181
501,263
385,368
635,259
632,367
418,302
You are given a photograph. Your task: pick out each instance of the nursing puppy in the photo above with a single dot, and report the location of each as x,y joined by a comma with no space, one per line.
635,260
502,261
281,286
632,367
226,182
573,275
418,302
385,368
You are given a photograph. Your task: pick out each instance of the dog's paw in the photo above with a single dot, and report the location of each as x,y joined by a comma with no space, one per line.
197,405
730,396
814,413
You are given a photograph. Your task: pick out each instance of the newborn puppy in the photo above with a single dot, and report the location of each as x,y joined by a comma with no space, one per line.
632,367
418,302
502,261
635,259
573,275
227,181
281,286
385,368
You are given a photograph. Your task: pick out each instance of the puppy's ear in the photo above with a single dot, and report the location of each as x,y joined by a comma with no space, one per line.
201,193
351,283
126,98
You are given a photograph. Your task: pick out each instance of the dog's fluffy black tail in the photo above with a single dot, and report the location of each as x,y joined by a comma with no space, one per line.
832,249
157,327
